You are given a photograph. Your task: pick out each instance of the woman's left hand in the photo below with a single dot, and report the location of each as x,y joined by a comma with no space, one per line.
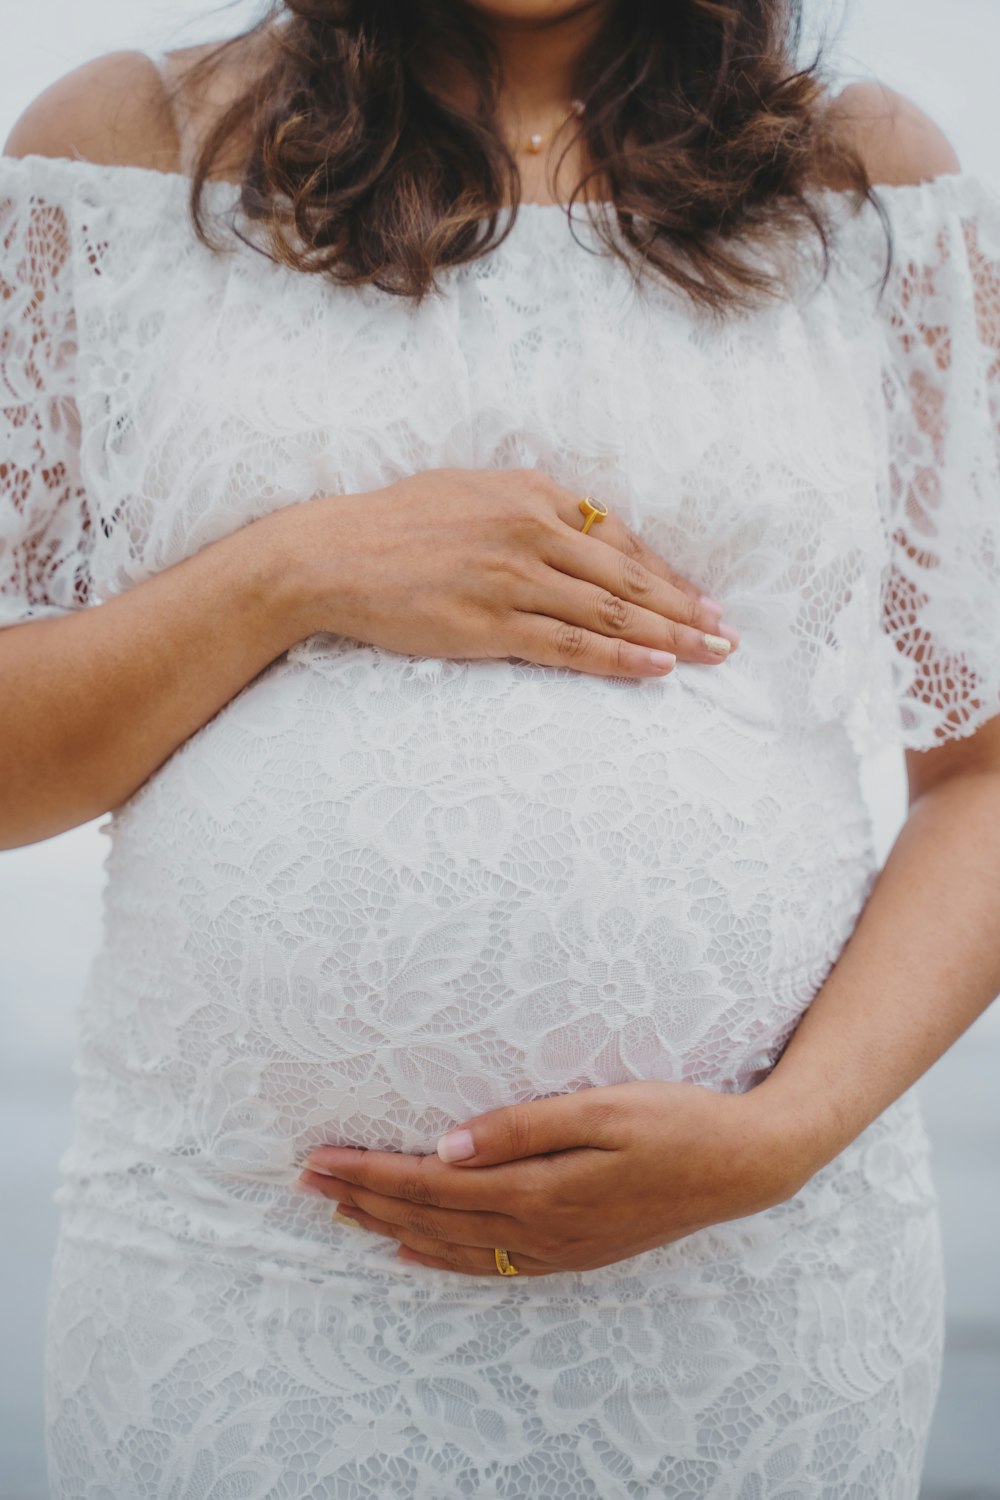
573,1181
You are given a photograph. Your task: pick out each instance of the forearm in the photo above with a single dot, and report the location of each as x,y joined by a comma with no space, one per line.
95,701
922,964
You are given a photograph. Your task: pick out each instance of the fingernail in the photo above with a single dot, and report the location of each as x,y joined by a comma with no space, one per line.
718,645
344,1219
710,603
731,635
308,1189
456,1146
662,659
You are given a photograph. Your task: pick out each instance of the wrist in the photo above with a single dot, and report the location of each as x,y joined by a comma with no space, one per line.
798,1133
301,574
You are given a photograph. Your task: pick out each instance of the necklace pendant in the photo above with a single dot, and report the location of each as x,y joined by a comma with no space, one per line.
535,143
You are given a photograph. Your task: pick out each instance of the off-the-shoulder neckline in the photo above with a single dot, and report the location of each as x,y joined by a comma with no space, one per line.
123,173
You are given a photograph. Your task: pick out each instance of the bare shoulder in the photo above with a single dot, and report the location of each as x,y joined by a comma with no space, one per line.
120,109
898,142
112,109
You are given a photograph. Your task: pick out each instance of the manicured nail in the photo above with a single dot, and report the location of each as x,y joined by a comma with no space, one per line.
662,660
344,1219
718,645
731,635
308,1189
710,603
456,1146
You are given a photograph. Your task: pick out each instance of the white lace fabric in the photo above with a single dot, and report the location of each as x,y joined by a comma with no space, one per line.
377,893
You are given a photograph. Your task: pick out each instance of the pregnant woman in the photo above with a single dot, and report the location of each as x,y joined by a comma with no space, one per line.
523,454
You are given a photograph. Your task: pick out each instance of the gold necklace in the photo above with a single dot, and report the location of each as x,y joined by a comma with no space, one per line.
536,140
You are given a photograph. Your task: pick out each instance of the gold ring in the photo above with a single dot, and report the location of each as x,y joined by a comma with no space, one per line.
504,1264
593,509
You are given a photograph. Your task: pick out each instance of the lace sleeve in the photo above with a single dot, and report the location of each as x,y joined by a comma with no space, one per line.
941,378
45,527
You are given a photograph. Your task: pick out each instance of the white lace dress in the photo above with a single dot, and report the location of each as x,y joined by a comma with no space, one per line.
377,894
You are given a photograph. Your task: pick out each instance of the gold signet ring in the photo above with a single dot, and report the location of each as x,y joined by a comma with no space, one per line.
504,1264
593,509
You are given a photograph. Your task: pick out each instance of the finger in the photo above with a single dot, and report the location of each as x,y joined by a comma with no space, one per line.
633,607
557,643
420,1179
597,560
584,1118
455,1253
474,1263
454,1225
443,1252
615,533
631,578
411,1236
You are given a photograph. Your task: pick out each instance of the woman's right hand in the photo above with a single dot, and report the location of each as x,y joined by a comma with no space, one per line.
493,563
451,563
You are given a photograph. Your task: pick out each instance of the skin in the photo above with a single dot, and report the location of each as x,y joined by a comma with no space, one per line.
538,45
582,1180
585,1179
449,563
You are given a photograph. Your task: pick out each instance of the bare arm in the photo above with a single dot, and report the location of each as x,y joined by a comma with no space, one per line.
95,702
924,959
921,965
582,1179
450,563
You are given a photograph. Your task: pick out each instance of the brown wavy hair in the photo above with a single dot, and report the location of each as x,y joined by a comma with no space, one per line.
706,136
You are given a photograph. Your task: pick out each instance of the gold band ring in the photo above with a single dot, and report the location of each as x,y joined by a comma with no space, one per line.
504,1263
593,509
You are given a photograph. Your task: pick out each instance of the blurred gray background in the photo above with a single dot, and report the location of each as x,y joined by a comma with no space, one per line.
945,57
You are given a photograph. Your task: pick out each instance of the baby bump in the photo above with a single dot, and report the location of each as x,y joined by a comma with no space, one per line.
375,895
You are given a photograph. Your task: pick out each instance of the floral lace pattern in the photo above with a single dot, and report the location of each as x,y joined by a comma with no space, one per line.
376,894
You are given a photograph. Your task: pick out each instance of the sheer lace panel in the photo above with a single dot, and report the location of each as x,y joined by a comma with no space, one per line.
376,894
45,523
942,391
